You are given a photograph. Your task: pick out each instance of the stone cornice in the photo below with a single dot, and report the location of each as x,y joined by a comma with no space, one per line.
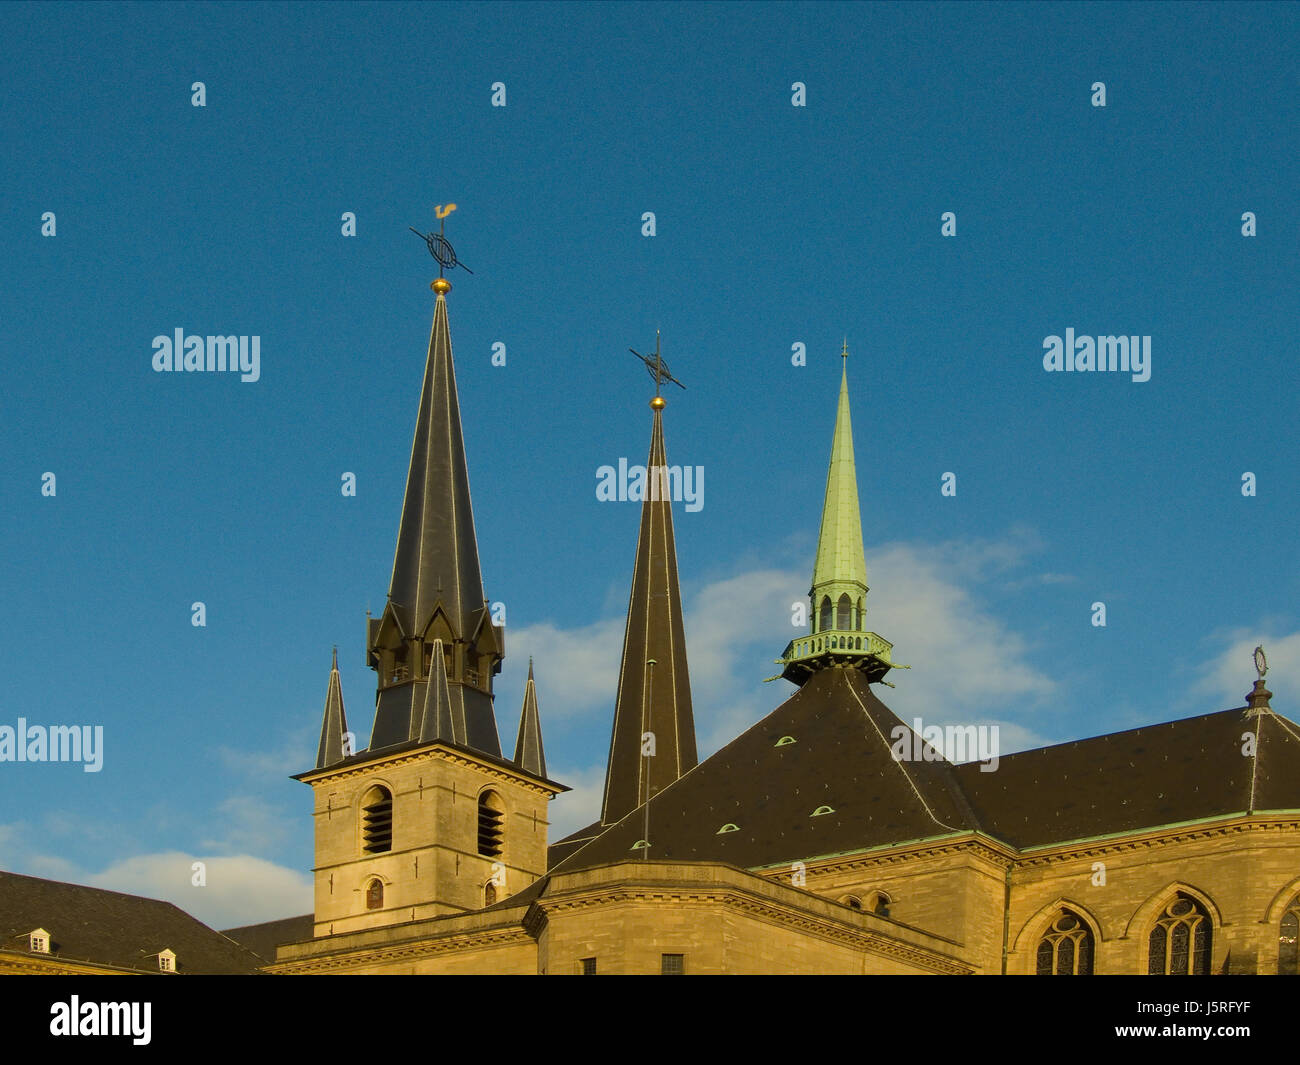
422,754
978,845
409,950
1158,837
865,940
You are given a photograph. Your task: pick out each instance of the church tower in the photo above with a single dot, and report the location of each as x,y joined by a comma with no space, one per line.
653,739
430,819
838,597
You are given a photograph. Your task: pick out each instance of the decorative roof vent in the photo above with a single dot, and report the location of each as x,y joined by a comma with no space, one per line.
822,810
728,827
39,941
639,845
167,961
785,741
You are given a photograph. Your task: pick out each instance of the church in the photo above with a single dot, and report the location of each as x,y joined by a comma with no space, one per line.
805,845
816,842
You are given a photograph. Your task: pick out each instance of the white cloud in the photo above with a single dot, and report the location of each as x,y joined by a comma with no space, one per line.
1228,676
240,889
580,807
924,599
296,752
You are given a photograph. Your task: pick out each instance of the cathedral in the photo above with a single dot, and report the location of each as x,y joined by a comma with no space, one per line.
806,844
816,842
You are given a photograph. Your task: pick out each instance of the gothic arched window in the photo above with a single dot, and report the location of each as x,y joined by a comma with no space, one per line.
826,614
375,894
1066,948
844,614
1179,944
1288,941
491,815
377,820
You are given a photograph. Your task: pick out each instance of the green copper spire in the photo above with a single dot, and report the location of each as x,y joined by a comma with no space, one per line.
841,567
838,597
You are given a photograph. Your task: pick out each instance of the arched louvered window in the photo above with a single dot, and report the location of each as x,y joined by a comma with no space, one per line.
844,613
491,824
1066,948
1179,944
377,820
1288,941
826,614
375,894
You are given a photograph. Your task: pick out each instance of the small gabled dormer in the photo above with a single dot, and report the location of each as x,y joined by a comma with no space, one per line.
38,941
167,961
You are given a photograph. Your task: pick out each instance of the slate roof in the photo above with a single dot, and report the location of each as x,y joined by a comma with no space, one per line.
89,924
1143,778
841,757
262,939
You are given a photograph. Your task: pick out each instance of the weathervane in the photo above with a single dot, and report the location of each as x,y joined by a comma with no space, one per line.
439,247
1261,663
658,369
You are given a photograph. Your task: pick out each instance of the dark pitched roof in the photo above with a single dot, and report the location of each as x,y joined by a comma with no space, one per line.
651,699
109,928
562,848
262,939
1144,778
840,758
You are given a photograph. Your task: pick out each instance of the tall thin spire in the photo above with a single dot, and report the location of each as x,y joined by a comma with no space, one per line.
654,690
529,755
838,596
841,565
436,592
334,722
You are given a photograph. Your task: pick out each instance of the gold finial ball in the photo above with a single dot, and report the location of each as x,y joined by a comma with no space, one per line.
441,286
659,403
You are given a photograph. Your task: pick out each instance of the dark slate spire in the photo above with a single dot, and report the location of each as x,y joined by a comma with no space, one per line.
437,590
529,755
656,697
334,723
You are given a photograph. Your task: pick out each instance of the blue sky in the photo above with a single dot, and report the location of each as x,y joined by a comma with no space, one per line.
775,225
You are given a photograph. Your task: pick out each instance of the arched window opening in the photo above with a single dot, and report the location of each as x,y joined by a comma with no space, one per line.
1066,948
826,614
375,894
489,893
852,902
491,828
879,903
1288,941
844,613
377,820
1179,944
